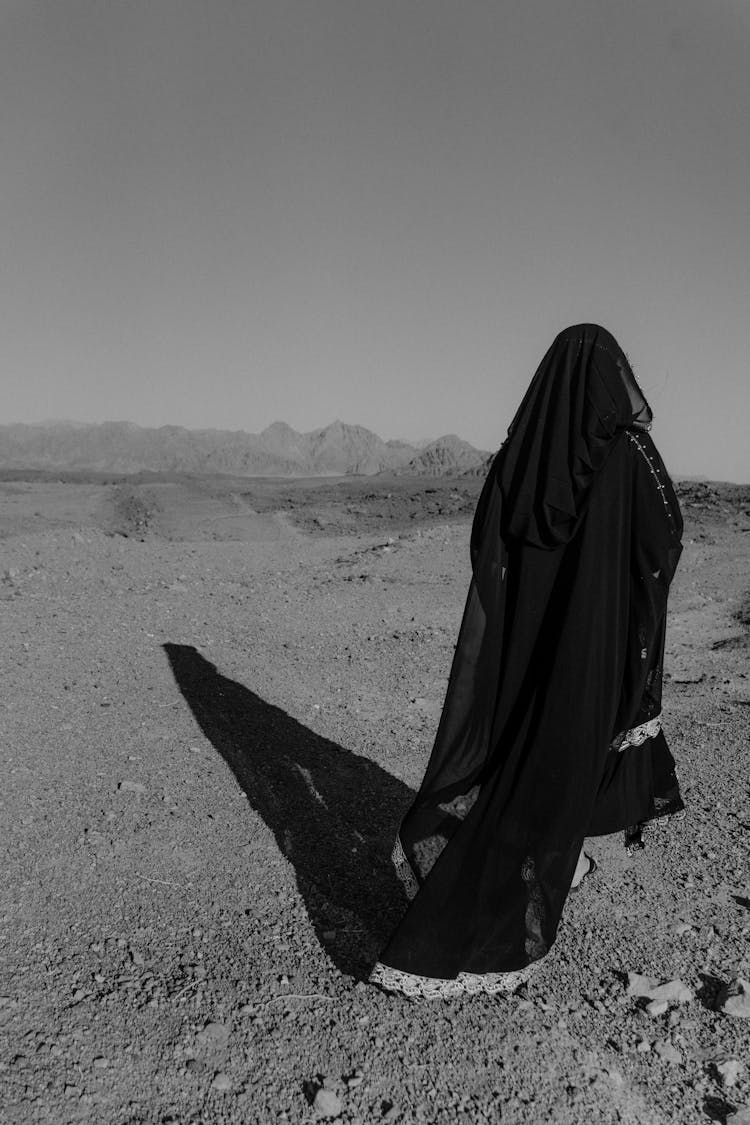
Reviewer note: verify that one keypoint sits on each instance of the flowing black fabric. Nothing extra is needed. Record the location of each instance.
(574, 543)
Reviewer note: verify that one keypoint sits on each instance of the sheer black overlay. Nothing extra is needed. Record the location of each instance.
(550, 729)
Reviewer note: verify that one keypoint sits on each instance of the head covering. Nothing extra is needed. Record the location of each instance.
(582, 398)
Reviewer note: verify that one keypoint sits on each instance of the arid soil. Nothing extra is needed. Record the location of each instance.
(218, 697)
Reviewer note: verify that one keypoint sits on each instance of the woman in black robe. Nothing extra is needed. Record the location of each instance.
(551, 729)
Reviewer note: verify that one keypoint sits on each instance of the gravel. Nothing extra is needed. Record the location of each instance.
(193, 950)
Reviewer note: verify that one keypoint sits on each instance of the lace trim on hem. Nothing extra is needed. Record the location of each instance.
(638, 735)
(436, 988)
(403, 869)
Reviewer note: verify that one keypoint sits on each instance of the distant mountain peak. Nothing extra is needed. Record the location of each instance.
(279, 450)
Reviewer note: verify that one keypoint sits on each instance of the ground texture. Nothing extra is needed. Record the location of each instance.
(218, 697)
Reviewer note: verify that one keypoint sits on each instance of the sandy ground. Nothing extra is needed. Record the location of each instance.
(217, 700)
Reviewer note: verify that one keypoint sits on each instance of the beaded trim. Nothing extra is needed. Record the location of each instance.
(638, 735)
(403, 869)
(436, 988)
(654, 473)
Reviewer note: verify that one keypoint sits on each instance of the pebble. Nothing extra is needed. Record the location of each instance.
(729, 1070)
(734, 999)
(327, 1104)
(221, 1082)
(132, 787)
(100, 1062)
(741, 1117)
(657, 1007)
(213, 1034)
(673, 991)
(667, 1051)
(643, 1046)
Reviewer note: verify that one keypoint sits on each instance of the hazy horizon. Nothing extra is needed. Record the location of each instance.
(219, 216)
(418, 443)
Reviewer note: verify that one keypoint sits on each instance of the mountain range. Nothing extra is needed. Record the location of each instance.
(279, 450)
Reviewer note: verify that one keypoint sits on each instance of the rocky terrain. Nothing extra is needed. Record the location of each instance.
(122, 447)
(218, 697)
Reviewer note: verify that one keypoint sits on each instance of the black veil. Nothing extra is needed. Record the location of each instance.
(573, 545)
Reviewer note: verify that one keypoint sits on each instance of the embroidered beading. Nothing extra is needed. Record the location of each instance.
(436, 988)
(403, 869)
(655, 474)
(638, 735)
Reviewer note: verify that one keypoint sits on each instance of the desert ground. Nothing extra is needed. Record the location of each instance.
(218, 697)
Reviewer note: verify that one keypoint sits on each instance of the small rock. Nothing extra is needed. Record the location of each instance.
(72, 1092)
(100, 1062)
(221, 1082)
(673, 991)
(643, 1046)
(657, 1007)
(667, 1051)
(741, 1117)
(213, 1035)
(132, 787)
(734, 999)
(729, 1070)
(355, 1079)
(684, 928)
(327, 1104)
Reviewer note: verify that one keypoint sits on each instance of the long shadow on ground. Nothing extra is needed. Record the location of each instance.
(334, 813)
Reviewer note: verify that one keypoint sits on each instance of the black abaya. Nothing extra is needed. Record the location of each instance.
(550, 730)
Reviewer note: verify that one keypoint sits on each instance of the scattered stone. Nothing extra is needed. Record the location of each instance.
(327, 1104)
(643, 1046)
(673, 991)
(355, 1079)
(684, 928)
(740, 1117)
(734, 999)
(667, 1051)
(729, 1071)
(132, 787)
(657, 1007)
(100, 1062)
(221, 1082)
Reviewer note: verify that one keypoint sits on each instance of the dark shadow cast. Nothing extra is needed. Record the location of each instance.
(742, 901)
(717, 1108)
(708, 993)
(333, 813)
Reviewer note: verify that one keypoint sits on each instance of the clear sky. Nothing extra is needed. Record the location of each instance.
(221, 213)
